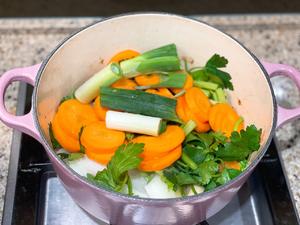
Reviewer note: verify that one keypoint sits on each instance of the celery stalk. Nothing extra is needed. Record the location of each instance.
(214, 96)
(221, 95)
(189, 127)
(206, 85)
(206, 92)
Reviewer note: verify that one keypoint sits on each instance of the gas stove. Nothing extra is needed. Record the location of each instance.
(35, 196)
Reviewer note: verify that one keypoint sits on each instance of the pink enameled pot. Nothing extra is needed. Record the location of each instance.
(79, 56)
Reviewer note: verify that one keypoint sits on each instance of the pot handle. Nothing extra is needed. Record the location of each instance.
(284, 115)
(23, 123)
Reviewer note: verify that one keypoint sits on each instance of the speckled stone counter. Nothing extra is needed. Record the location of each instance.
(275, 38)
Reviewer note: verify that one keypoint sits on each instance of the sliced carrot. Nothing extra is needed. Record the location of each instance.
(145, 80)
(198, 102)
(161, 91)
(232, 165)
(72, 115)
(66, 141)
(187, 85)
(165, 92)
(100, 110)
(124, 83)
(201, 126)
(222, 117)
(168, 140)
(160, 163)
(181, 105)
(124, 55)
(101, 140)
(100, 158)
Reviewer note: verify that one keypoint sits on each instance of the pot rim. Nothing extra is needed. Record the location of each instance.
(153, 200)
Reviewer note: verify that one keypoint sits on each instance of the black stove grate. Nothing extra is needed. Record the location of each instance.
(31, 197)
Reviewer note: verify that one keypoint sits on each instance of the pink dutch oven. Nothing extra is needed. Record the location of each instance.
(78, 56)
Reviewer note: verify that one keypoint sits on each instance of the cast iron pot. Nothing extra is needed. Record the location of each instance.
(79, 56)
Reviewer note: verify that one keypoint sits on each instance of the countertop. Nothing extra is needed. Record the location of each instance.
(275, 38)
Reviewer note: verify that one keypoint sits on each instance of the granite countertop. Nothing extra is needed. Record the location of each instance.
(275, 38)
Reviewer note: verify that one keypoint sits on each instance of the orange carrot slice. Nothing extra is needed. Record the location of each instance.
(145, 80)
(100, 158)
(168, 140)
(72, 115)
(198, 102)
(160, 163)
(201, 126)
(161, 91)
(232, 165)
(187, 85)
(124, 83)
(66, 141)
(181, 105)
(100, 110)
(124, 55)
(101, 140)
(222, 117)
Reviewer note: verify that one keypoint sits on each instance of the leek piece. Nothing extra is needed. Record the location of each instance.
(221, 95)
(173, 80)
(163, 59)
(90, 88)
(189, 127)
(139, 102)
(134, 123)
(206, 85)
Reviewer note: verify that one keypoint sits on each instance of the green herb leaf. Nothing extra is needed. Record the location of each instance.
(54, 142)
(197, 154)
(217, 61)
(206, 170)
(241, 144)
(115, 176)
(67, 97)
(129, 136)
(223, 76)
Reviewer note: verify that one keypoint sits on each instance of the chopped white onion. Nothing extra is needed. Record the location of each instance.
(84, 165)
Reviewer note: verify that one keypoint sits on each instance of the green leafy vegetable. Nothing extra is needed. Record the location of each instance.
(211, 72)
(54, 142)
(115, 176)
(217, 61)
(241, 144)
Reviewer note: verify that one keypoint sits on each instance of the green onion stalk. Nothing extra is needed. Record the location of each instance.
(163, 59)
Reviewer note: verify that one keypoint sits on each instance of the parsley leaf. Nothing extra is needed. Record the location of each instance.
(67, 97)
(54, 142)
(241, 144)
(217, 61)
(115, 176)
(211, 72)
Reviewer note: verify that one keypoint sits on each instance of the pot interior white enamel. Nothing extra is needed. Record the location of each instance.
(89, 50)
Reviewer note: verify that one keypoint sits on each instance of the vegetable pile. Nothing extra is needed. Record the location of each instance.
(145, 126)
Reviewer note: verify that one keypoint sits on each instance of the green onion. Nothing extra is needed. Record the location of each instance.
(206, 85)
(189, 127)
